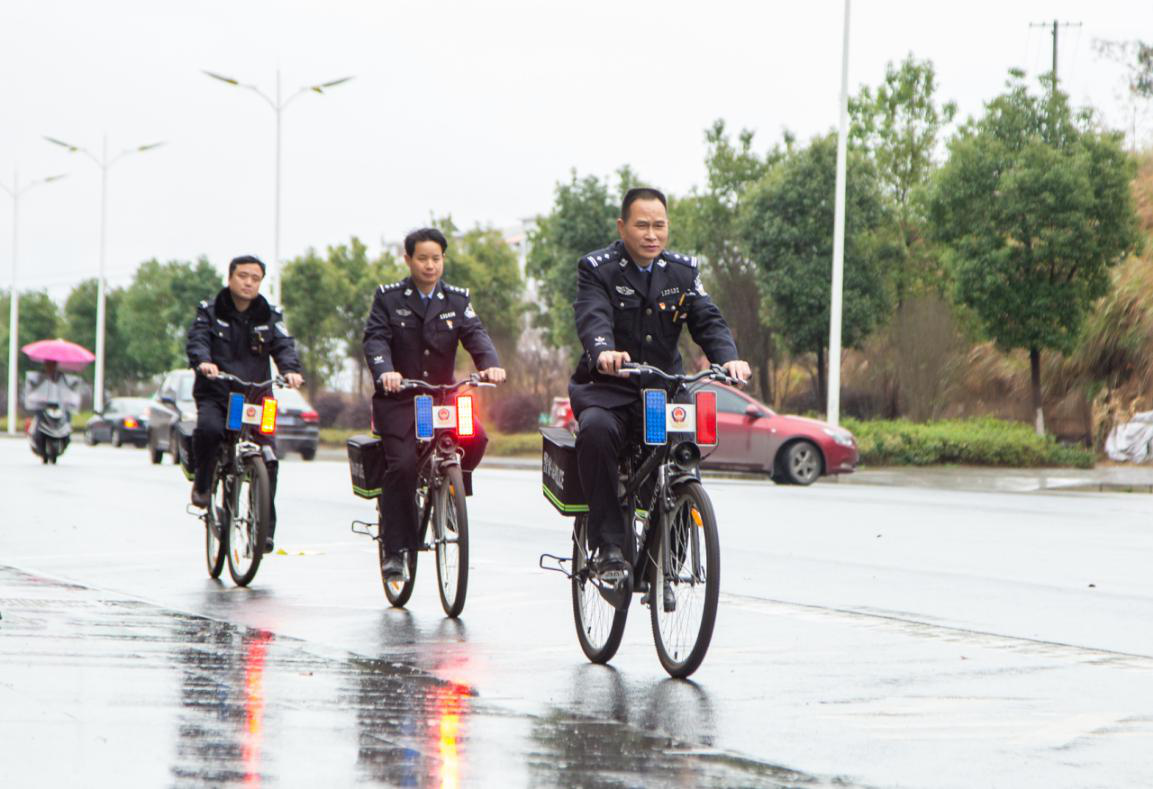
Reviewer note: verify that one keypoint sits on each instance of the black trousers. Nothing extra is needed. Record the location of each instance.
(395, 423)
(604, 432)
(211, 417)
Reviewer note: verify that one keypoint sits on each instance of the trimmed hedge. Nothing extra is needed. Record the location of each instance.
(971, 442)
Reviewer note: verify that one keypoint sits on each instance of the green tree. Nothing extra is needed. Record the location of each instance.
(156, 311)
(39, 320)
(79, 326)
(583, 218)
(1035, 207)
(899, 125)
(788, 229)
(707, 223)
(313, 292)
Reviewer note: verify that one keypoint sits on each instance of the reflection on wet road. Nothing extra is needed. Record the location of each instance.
(99, 685)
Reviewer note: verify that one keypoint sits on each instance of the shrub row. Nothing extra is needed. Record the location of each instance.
(974, 442)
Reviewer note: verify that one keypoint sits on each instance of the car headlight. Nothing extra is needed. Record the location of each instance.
(842, 437)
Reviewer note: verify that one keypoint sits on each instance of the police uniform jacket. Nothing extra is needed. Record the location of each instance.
(418, 340)
(620, 308)
(237, 342)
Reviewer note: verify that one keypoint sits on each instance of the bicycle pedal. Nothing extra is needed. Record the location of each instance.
(363, 527)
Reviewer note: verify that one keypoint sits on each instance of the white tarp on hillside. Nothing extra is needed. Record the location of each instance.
(1132, 441)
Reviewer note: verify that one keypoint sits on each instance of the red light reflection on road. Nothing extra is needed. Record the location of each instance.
(254, 706)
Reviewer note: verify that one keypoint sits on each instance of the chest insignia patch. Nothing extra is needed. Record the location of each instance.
(625, 290)
(404, 311)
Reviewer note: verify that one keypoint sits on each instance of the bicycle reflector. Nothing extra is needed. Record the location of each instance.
(656, 431)
(268, 417)
(706, 417)
(464, 422)
(423, 404)
(235, 411)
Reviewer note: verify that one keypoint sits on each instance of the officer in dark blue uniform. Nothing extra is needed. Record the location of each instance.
(633, 299)
(412, 332)
(237, 333)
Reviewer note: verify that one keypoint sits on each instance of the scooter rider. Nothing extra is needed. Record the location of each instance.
(632, 300)
(237, 332)
(412, 332)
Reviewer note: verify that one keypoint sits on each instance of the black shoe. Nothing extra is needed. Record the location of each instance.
(269, 545)
(392, 568)
(609, 563)
(200, 500)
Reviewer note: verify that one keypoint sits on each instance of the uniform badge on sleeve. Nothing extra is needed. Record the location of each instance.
(700, 287)
(599, 341)
(469, 312)
(280, 327)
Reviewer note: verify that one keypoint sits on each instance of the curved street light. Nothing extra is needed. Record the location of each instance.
(104, 163)
(278, 104)
(16, 191)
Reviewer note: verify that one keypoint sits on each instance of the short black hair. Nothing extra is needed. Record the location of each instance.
(641, 193)
(424, 234)
(242, 259)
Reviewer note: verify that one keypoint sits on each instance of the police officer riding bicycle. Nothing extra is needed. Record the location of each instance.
(237, 332)
(632, 300)
(412, 332)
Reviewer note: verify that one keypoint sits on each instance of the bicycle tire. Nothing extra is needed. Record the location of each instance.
(451, 515)
(682, 643)
(599, 625)
(248, 520)
(216, 527)
(397, 592)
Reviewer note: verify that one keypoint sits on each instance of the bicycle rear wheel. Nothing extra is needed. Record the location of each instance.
(685, 581)
(248, 520)
(216, 526)
(397, 592)
(451, 542)
(599, 624)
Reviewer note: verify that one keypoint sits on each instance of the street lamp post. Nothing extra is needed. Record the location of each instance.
(14, 298)
(104, 163)
(833, 404)
(278, 104)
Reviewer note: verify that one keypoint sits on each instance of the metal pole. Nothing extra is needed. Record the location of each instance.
(98, 389)
(14, 309)
(834, 395)
(1054, 55)
(274, 269)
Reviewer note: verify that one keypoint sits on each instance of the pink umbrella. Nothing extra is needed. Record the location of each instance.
(68, 355)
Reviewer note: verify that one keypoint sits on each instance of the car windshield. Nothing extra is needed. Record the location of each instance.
(291, 400)
(729, 402)
(135, 406)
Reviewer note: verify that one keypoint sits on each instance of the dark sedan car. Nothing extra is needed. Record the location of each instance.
(792, 449)
(124, 420)
(297, 424)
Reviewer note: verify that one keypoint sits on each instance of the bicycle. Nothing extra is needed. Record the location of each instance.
(237, 519)
(440, 490)
(675, 565)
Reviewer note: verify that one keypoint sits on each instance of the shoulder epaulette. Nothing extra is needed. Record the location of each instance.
(684, 260)
(391, 286)
(607, 255)
(203, 305)
(454, 289)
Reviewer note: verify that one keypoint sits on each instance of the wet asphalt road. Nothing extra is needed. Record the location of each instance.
(867, 636)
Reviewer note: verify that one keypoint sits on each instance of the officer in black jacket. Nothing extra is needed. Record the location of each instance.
(632, 300)
(412, 332)
(237, 333)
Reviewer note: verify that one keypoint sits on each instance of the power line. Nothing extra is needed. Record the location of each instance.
(1055, 26)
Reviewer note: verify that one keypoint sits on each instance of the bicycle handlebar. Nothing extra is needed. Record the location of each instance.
(715, 373)
(277, 381)
(472, 380)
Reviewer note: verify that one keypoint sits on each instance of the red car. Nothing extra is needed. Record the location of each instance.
(792, 449)
(752, 437)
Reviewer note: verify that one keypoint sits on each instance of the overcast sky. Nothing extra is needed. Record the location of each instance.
(471, 108)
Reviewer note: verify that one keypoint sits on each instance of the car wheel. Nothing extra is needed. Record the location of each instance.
(802, 463)
(174, 447)
(89, 439)
(117, 439)
(308, 453)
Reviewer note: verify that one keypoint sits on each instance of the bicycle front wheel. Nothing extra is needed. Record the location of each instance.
(216, 527)
(451, 542)
(685, 581)
(599, 624)
(396, 591)
(251, 502)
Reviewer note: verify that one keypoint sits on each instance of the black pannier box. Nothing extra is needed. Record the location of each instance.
(562, 485)
(366, 464)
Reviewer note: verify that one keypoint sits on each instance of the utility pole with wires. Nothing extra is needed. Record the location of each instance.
(1055, 25)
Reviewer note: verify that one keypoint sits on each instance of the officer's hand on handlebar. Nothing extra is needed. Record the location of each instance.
(391, 382)
(294, 380)
(609, 362)
(495, 375)
(209, 369)
(738, 370)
